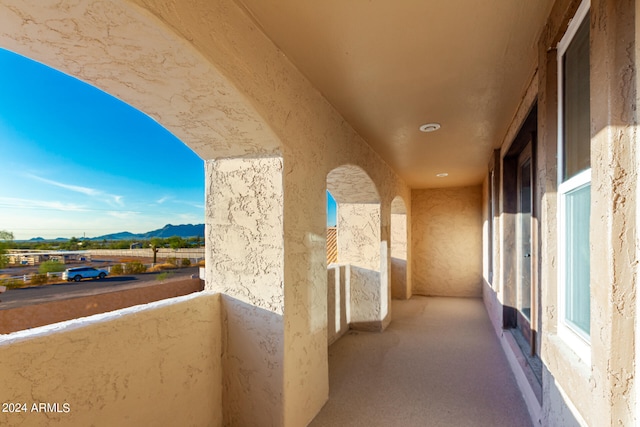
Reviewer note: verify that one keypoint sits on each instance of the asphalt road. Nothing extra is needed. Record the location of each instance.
(13, 298)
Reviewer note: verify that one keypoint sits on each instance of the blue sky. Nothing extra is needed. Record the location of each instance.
(331, 210)
(75, 161)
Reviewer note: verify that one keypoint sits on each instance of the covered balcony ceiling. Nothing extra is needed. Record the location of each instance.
(388, 67)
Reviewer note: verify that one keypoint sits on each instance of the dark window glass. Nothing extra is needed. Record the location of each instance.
(576, 121)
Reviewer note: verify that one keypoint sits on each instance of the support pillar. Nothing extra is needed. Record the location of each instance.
(360, 247)
(275, 369)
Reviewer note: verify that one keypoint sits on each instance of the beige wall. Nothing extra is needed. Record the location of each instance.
(359, 247)
(338, 298)
(143, 366)
(359, 235)
(245, 263)
(400, 285)
(447, 241)
(598, 391)
(598, 388)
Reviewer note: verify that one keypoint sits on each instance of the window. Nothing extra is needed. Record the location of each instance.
(490, 215)
(574, 183)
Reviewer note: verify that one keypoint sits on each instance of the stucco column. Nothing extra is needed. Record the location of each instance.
(360, 246)
(614, 183)
(245, 263)
(270, 268)
(399, 285)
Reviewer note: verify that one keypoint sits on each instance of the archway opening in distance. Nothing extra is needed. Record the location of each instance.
(356, 278)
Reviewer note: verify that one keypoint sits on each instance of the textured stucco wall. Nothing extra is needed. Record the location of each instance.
(338, 296)
(245, 262)
(360, 247)
(490, 291)
(600, 391)
(359, 235)
(447, 241)
(599, 388)
(351, 184)
(158, 365)
(399, 285)
(244, 225)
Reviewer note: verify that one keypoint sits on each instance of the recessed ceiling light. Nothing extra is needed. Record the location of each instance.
(442, 175)
(430, 127)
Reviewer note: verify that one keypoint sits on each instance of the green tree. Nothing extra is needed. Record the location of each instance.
(51, 267)
(71, 245)
(5, 238)
(156, 243)
(122, 244)
(176, 242)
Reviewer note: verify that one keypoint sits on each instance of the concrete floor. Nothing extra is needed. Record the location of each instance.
(439, 363)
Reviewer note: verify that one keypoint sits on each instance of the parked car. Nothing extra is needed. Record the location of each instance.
(78, 273)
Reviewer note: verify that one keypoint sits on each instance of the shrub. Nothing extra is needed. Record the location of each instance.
(12, 283)
(51, 267)
(163, 276)
(186, 262)
(171, 260)
(54, 278)
(135, 267)
(117, 270)
(201, 263)
(39, 279)
(161, 267)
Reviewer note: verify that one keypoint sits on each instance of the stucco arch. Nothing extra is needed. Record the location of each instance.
(351, 184)
(398, 206)
(132, 55)
(362, 261)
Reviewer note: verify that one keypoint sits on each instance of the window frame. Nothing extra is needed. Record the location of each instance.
(576, 338)
(490, 225)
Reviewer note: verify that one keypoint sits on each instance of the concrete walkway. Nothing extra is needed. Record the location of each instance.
(438, 364)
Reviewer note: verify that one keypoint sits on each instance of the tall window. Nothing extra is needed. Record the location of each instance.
(574, 178)
(490, 214)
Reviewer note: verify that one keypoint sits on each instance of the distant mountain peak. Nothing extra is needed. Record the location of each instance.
(169, 230)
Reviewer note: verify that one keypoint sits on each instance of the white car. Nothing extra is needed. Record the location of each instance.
(78, 273)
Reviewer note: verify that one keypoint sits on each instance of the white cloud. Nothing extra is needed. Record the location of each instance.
(17, 203)
(118, 200)
(123, 214)
(93, 192)
(76, 188)
(190, 203)
(190, 218)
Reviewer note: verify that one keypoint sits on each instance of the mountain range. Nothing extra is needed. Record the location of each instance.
(169, 230)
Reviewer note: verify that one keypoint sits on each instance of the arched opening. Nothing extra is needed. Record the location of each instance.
(400, 288)
(332, 230)
(359, 277)
(93, 193)
(136, 54)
